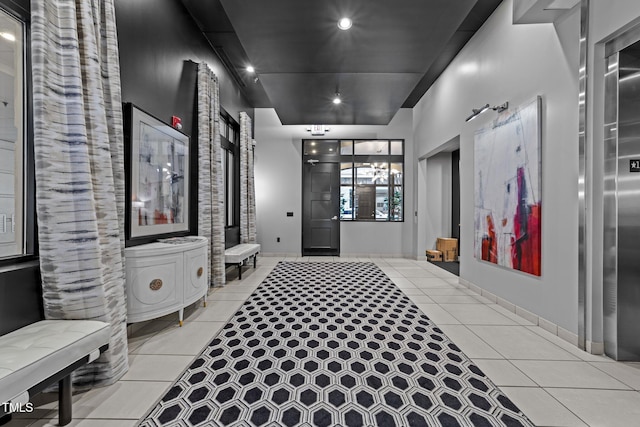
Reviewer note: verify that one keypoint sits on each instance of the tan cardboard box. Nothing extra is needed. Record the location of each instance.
(451, 255)
(448, 247)
(434, 255)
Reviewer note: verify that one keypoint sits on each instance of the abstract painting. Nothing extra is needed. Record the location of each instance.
(507, 190)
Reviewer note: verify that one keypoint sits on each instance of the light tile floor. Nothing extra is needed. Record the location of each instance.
(553, 382)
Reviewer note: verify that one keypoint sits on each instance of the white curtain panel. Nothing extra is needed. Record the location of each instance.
(247, 185)
(79, 165)
(211, 212)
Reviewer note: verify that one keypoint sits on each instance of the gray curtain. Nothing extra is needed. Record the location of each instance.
(79, 167)
(210, 179)
(247, 185)
(251, 193)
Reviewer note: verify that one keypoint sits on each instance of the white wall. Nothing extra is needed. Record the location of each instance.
(516, 63)
(278, 172)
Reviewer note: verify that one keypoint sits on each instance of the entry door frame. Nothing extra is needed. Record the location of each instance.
(317, 160)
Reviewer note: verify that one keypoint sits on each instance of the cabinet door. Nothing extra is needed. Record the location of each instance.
(195, 274)
(154, 286)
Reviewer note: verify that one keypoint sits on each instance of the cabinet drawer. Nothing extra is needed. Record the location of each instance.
(153, 282)
(196, 274)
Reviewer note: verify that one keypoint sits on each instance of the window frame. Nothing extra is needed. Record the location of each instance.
(29, 226)
(354, 159)
(233, 147)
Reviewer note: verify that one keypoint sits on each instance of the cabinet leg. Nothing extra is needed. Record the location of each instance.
(181, 316)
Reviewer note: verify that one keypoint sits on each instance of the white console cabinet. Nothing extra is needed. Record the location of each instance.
(165, 277)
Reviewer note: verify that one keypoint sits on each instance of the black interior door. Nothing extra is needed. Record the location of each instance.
(321, 209)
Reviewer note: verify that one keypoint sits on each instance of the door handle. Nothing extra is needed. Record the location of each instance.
(334, 218)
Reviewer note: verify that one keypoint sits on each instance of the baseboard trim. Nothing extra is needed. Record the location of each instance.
(280, 254)
(568, 336)
(595, 347)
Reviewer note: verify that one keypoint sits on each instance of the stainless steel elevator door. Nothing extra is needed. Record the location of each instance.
(629, 204)
(622, 205)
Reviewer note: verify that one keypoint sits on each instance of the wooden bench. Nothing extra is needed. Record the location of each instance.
(36, 356)
(240, 254)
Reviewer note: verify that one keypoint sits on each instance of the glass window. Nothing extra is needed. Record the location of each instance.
(365, 202)
(364, 173)
(396, 148)
(12, 210)
(396, 188)
(346, 202)
(320, 148)
(374, 147)
(223, 127)
(375, 173)
(346, 148)
(230, 134)
(371, 185)
(396, 173)
(230, 187)
(382, 202)
(372, 191)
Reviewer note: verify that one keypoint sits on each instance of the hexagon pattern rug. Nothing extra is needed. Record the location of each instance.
(332, 344)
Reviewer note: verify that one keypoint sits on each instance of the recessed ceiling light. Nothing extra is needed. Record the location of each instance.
(344, 23)
(250, 69)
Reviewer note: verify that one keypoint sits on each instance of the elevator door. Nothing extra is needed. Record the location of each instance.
(622, 205)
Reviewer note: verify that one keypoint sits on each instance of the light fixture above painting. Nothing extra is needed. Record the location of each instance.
(475, 112)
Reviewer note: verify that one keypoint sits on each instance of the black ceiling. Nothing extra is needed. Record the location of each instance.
(393, 53)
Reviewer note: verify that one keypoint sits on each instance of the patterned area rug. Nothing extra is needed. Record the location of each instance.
(332, 344)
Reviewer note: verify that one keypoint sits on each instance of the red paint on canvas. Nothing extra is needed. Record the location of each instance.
(525, 245)
(489, 243)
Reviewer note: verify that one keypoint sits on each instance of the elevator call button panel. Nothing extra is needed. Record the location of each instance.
(634, 165)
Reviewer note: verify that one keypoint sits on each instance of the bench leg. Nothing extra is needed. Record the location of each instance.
(255, 258)
(240, 271)
(64, 401)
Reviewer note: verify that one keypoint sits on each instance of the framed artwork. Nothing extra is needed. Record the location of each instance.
(158, 176)
(507, 190)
